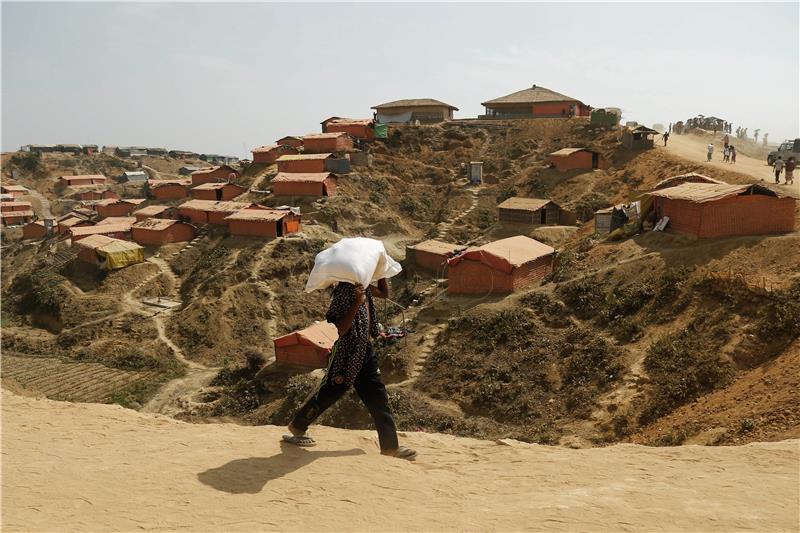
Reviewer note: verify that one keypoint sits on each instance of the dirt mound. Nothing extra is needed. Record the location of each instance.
(220, 472)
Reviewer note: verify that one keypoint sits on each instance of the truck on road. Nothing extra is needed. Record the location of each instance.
(787, 149)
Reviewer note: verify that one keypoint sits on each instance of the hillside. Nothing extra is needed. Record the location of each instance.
(154, 473)
(621, 343)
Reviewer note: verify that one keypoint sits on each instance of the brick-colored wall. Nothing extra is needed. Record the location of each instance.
(122, 209)
(216, 176)
(302, 165)
(282, 188)
(33, 231)
(170, 192)
(740, 215)
(323, 146)
(570, 162)
(474, 277)
(357, 131)
(195, 215)
(532, 272)
(253, 228)
(429, 260)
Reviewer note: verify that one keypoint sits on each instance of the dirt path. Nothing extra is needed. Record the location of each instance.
(222, 477)
(443, 228)
(693, 148)
(43, 202)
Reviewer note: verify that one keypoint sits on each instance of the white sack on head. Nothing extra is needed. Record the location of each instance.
(357, 260)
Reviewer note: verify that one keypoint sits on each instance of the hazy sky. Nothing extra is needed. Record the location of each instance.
(225, 78)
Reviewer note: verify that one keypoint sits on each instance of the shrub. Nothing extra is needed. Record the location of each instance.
(28, 161)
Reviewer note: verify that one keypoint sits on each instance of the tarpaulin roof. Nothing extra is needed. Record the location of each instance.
(209, 170)
(321, 335)
(525, 204)
(290, 137)
(214, 186)
(14, 188)
(211, 205)
(117, 220)
(350, 121)
(330, 135)
(70, 221)
(156, 224)
(152, 210)
(641, 129)
(117, 253)
(569, 151)
(265, 148)
(436, 247)
(506, 254)
(413, 102)
(298, 157)
(258, 215)
(531, 95)
(154, 184)
(101, 228)
(691, 177)
(112, 201)
(711, 192)
(307, 177)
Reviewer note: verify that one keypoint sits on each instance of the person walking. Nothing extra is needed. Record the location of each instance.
(353, 363)
(726, 153)
(710, 151)
(755, 136)
(666, 137)
(778, 168)
(766, 136)
(733, 155)
(791, 164)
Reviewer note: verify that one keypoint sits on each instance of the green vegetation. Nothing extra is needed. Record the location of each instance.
(30, 162)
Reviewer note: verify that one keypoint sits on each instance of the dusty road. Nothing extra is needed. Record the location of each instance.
(91, 467)
(693, 148)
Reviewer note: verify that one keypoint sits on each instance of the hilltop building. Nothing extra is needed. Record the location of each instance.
(424, 110)
(535, 102)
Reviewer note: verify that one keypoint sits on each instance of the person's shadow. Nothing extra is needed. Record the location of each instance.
(248, 476)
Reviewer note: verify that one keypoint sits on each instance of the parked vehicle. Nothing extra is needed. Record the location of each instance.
(786, 150)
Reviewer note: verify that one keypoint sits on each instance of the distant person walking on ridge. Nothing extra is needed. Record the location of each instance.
(790, 166)
(733, 155)
(666, 138)
(778, 169)
(755, 136)
(353, 363)
(710, 151)
(766, 135)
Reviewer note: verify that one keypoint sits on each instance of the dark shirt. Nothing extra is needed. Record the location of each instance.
(351, 348)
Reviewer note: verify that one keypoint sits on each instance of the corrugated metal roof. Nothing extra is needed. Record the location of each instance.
(152, 210)
(302, 177)
(156, 224)
(101, 228)
(330, 135)
(351, 121)
(524, 204)
(211, 205)
(258, 214)
(413, 102)
(14, 214)
(531, 95)
(568, 151)
(17, 204)
(303, 157)
(104, 243)
(117, 220)
(710, 192)
(518, 250)
(436, 247)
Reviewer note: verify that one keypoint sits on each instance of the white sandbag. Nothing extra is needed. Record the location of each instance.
(357, 260)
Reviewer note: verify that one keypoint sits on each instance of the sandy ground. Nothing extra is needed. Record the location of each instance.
(91, 467)
(694, 148)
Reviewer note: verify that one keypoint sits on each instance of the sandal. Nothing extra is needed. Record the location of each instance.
(402, 453)
(304, 441)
